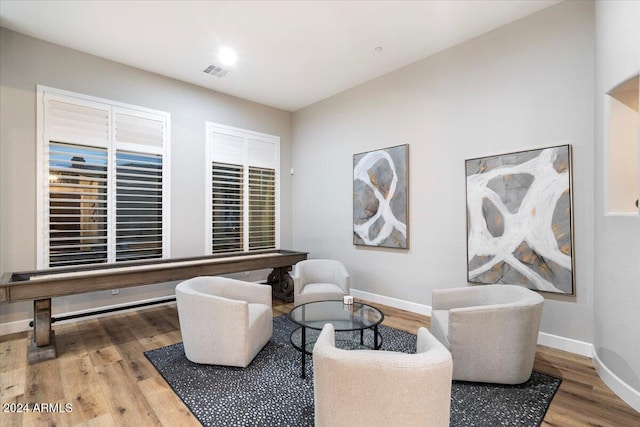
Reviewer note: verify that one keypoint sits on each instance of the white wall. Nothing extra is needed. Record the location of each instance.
(526, 85)
(26, 62)
(617, 238)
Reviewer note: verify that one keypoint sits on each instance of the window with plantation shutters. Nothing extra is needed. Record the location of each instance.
(103, 169)
(227, 207)
(242, 181)
(262, 208)
(77, 209)
(138, 206)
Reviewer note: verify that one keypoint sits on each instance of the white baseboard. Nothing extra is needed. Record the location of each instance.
(393, 302)
(15, 327)
(567, 344)
(615, 383)
(23, 325)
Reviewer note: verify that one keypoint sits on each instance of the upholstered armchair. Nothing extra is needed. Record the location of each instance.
(381, 388)
(491, 331)
(318, 280)
(224, 321)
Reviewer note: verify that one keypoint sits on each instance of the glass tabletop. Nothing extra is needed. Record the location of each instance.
(343, 317)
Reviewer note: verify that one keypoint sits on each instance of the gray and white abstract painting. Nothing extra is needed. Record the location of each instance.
(519, 219)
(380, 197)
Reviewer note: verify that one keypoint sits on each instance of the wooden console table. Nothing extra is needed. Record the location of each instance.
(42, 285)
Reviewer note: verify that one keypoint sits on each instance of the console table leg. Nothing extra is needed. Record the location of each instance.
(281, 283)
(43, 346)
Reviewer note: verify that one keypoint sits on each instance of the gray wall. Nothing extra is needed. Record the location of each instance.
(526, 85)
(26, 62)
(617, 238)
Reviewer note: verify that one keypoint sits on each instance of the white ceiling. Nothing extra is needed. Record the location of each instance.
(291, 53)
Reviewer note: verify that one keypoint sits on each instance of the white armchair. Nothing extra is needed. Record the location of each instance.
(381, 388)
(491, 331)
(224, 321)
(318, 280)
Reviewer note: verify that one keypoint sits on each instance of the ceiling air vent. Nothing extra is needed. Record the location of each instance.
(214, 70)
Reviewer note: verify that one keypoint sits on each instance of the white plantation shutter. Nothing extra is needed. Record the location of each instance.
(262, 159)
(137, 130)
(77, 121)
(139, 204)
(227, 148)
(105, 181)
(77, 204)
(262, 208)
(227, 192)
(140, 208)
(227, 208)
(262, 154)
(244, 189)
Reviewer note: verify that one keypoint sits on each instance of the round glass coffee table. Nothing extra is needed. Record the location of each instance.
(356, 317)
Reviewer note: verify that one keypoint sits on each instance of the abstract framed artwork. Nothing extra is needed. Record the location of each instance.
(519, 219)
(381, 197)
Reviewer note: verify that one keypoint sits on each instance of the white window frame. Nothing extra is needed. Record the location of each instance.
(43, 93)
(246, 135)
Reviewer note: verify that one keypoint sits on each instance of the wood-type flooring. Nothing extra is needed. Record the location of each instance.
(102, 378)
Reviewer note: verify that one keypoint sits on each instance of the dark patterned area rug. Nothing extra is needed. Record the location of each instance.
(270, 392)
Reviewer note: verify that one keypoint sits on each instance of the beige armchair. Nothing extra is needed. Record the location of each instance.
(224, 321)
(381, 388)
(318, 280)
(491, 331)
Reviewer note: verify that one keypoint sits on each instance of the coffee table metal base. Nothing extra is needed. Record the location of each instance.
(302, 348)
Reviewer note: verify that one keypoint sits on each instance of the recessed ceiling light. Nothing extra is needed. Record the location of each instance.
(378, 49)
(227, 56)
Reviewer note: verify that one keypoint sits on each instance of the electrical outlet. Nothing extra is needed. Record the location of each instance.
(115, 291)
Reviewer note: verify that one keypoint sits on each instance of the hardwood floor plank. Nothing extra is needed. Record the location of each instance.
(70, 341)
(123, 397)
(81, 388)
(105, 420)
(12, 383)
(102, 371)
(48, 413)
(105, 356)
(13, 353)
(150, 337)
(94, 337)
(167, 406)
(13, 417)
(44, 384)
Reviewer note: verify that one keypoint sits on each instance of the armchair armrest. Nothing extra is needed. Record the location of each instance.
(342, 278)
(297, 281)
(429, 343)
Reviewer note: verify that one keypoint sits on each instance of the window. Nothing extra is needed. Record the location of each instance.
(104, 175)
(243, 189)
